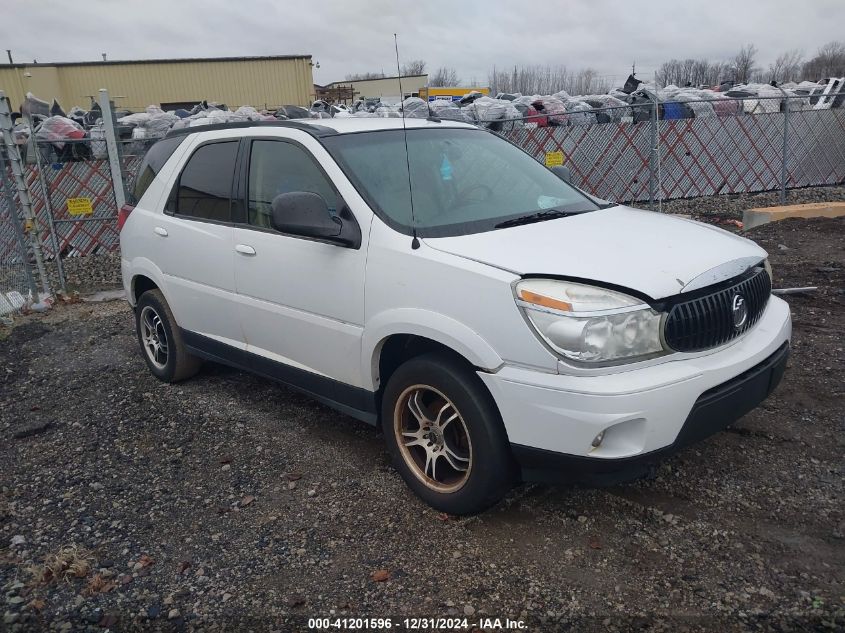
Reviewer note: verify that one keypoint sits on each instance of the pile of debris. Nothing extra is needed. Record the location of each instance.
(632, 103)
(79, 134)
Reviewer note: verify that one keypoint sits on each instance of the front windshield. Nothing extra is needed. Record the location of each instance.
(463, 180)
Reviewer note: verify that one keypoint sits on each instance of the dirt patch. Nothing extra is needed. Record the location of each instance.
(808, 253)
(812, 253)
(28, 330)
(231, 502)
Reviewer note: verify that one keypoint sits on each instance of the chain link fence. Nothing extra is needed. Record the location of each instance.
(609, 160)
(75, 197)
(17, 278)
(704, 148)
(648, 152)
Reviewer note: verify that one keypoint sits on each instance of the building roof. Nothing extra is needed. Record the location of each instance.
(355, 81)
(171, 60)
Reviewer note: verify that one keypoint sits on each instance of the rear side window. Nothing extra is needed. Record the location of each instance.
(153, 161)
(205, 185)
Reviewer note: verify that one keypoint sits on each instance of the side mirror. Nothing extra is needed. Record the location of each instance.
(564, 173)
(304, 213)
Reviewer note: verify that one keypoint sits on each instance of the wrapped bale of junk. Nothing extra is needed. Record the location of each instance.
(79, 134)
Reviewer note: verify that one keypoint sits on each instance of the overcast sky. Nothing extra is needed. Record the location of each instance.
(349, 36)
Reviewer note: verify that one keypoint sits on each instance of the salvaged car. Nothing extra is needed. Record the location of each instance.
(496, 321)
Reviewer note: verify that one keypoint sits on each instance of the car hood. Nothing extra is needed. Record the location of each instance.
(656, 254)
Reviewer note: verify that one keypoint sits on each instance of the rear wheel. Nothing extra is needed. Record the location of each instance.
(445, 435)
(161, 340)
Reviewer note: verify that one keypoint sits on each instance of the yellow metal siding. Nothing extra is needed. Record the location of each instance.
(388, 87)
(12, 83)
(449, 93)
(260, 83)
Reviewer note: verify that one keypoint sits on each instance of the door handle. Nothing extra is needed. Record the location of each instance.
(245, 249)
(160, 231)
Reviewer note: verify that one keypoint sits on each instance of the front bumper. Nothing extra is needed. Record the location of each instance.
(713, 411)
(646, 413)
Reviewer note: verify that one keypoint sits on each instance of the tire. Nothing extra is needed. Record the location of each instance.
(471, 451)
(161, 340)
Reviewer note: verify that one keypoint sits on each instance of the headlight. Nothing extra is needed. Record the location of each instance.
(590, 324)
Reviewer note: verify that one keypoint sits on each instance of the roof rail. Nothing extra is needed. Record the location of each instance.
(311, 128)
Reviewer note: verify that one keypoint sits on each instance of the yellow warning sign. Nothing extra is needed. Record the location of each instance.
(80, 206)
(554, 159)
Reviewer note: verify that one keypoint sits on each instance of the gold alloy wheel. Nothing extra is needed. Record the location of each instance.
(433, 438)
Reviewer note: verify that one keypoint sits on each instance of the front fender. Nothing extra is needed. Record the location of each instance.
(431, 325)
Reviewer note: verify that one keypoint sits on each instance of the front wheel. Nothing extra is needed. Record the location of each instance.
(445, 435)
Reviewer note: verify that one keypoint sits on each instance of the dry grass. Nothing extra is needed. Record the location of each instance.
(98, 584)
(68, 563)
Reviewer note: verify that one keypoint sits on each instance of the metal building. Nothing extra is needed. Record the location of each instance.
(385, 88)
(263, 82)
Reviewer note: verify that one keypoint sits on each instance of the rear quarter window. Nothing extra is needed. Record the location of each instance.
(204, 188)
(154, 160)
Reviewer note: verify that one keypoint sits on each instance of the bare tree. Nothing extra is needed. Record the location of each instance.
(828, 62)
(444, 77)
(697, 72)
(413, 67)
(538, 79)
(670, 73)
(586, 82)
(687, 67)
(706, 73)
(787, 67)
(744, 64)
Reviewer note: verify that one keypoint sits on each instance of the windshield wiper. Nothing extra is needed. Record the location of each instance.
(539, 216)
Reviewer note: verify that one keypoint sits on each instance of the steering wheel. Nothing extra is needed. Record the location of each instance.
(461, 200)
(465, 196)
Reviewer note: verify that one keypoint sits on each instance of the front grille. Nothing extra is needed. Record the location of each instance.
(708, 321)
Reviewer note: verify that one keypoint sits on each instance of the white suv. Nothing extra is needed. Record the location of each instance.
(497, 322)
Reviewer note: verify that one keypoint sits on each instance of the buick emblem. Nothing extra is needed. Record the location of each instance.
(740, 311)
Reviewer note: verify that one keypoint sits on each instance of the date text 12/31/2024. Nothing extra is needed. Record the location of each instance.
(415, 624)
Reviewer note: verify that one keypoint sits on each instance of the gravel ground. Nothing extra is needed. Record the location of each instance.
(731, 206)
(93, 272)
(231, 503)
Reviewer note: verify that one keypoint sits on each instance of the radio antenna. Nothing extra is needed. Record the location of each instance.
(415, 243)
